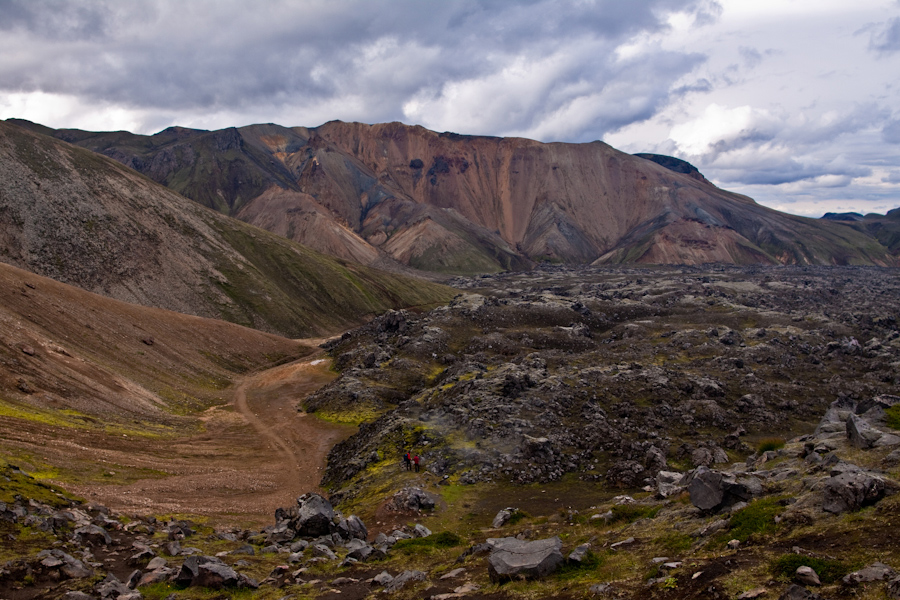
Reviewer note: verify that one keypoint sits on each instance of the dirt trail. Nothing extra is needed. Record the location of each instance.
(249, 457)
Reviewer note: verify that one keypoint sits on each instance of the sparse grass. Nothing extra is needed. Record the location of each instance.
(442, 540)
(573, 570)
(516, 516)
(675, 542)
(628, 513)
(769, 444)
(755, 520)
(893, 416)
(828, 570)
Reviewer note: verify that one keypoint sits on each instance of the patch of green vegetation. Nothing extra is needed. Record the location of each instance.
(357, 416)
(300, 292)
(516, 516)
(73, 419)
(757, 519)
(828, 570)
(628, 513)
(573, 570)
(769, 444)
(893, 416)
(16, 483)
(442, 540)
(675, 542)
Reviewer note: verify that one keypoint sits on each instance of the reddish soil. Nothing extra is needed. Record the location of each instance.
(252, 455)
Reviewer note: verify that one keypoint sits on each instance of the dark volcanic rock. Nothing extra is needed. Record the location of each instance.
(315, 516)
(513, 558)
(850, 491)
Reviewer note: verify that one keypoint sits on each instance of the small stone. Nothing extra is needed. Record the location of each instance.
(806, 576)
(383, 578)
(453, 574)
(625, 542)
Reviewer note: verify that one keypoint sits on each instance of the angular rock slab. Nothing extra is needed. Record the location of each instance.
(513, 558)
(860, 433)
(851, 491)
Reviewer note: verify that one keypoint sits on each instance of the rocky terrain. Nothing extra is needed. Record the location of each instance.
(83, 219)
(686, 432)
(392, 194)
(594, 433)
(605, 375)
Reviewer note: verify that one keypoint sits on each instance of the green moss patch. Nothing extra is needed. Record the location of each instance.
(893, 416)
(442, 540)
(628, 513)
(755, 520)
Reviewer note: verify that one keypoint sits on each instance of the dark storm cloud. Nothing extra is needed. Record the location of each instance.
(214, 55)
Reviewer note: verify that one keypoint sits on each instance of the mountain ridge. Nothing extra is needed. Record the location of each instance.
(475, 203)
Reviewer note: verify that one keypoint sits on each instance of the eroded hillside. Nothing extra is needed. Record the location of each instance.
(391, 193)
(80, 218)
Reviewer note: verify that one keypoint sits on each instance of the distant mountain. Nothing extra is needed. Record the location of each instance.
(884, 228)
(467, 204)
(80, 218)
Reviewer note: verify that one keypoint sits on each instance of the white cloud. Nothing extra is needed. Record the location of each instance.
(792, 100)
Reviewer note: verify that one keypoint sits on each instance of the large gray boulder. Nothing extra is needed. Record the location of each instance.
(315, 516)
(706, 488)
(713, 490)
(668, 483)
(512, 558)
(215, 576)
(851, 491)
(403, 579)
(877, 571)
(411, 499)
(68, 566)
(91, 535)
(860, 433)
(352, 528)
(210, 572)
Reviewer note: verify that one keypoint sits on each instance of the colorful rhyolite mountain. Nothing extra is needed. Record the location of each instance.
(444, 202)
(80, 218)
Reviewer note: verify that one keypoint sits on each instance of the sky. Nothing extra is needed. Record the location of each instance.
(795, 103)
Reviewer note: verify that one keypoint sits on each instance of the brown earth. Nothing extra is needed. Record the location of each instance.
(152, 411)
(252, 456)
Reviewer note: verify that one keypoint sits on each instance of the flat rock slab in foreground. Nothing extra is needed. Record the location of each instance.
(513, 559)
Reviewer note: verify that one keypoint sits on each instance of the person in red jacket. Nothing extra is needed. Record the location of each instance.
(416, 461)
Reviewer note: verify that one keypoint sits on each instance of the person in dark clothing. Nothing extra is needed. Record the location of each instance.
(416, 460)
(407, 461)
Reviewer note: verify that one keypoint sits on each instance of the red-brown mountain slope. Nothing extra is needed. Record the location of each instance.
(453, 203)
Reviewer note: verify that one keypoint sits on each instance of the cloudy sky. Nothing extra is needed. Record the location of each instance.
(793, 102)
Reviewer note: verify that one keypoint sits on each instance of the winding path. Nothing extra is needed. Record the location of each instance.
(250, 457)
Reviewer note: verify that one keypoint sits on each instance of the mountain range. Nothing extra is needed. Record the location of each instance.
(392, 194)
(80, 218)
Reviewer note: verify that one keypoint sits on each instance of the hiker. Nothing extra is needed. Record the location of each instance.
(407, 461)
(416, 460)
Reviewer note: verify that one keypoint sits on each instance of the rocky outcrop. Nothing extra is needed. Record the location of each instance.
(512, 558)
(715, 490)
(852, 491)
